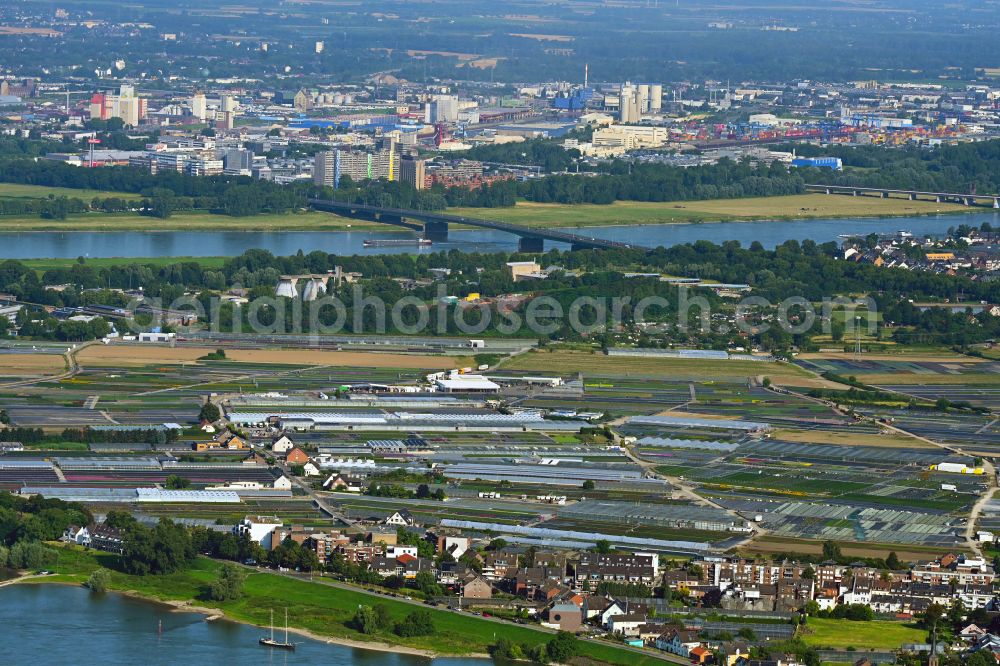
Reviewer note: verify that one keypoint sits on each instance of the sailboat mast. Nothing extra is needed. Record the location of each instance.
(286, 626)
(272, 624)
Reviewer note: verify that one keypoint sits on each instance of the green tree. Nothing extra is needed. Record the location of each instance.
(417, 623)
(175, 482)
(831, 551)
(588, 484)
(229, 584)
(563, 647)
(602, 546)
(98, 581)
(209, 412)
(370, 619)
(892, 562)
(427, 583)
(981, 658)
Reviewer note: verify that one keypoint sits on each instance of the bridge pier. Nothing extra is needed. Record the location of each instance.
(828, 191)
(388, 219)
(885, 195)
(533, 244)
(996, 203)
(437, 231)
(937, 199)
(967, 201)
(913, 197)
(855, 193)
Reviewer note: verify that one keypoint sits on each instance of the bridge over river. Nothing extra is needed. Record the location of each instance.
(435, 226)
(992, 200)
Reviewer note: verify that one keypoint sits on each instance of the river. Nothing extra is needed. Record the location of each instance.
(56, 624)
(57, 244)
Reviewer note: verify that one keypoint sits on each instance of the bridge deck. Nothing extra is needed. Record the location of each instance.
(889, 190)
(518, 230)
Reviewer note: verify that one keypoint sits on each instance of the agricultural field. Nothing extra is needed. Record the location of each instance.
(800, 206)
(19, 365)
(598, 365)
(100, 355)
(913, 370)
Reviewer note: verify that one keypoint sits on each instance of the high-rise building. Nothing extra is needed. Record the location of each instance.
(331, 165)
(199, 106)
(413, 171)
(238, 162)
(320, 46)
(325, 168)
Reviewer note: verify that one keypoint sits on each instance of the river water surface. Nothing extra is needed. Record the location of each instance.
(57, 244)
(56, 624)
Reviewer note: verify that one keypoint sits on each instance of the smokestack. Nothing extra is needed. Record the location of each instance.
(586, 74)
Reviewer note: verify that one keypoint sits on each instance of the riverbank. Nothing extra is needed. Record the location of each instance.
(757, 209)
(526, 213)
(318, 609)
(213, 614)
(194, 221)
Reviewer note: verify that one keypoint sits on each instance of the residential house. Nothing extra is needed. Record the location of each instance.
(454, 545)
(401, 518)
(564, 617)
(346, 484)
(475, 586)
(384, 534)
(76, 534)
(360, 552)
(678, 641)
(627, 624)
(326, 544)
(296, 456)
(107, 538)
(962, 569)
(259, 529)
(529, 581)
(281, 445)
(395, 550)
(700, 655)
(596, 568)
(230, 440)
(497, 565)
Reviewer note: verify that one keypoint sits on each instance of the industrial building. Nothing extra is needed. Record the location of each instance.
(125, 105)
